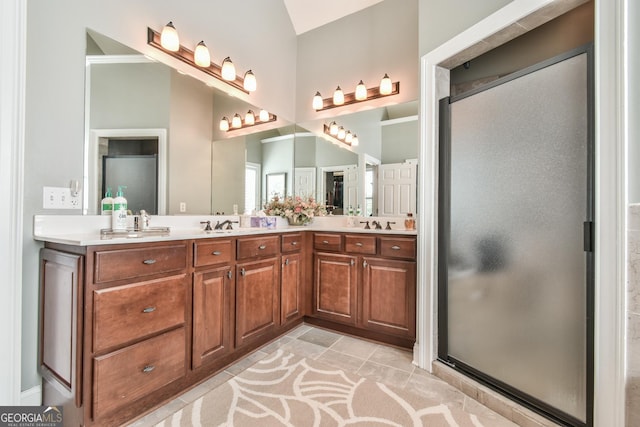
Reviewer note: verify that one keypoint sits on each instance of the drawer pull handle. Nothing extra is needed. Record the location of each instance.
(262, 247)
(395, 247)
(358, 244)
(286, 261)
(229, 275)
(326, 242)
(216, 253)
(149, 310)
(353, 262)
(149, 261)
(364, 264)
(242, 271)
(148, 369)
(294, 243)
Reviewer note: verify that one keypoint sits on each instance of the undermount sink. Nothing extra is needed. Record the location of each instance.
(107, 233)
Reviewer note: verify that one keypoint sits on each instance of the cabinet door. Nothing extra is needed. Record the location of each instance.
(290, 288)
(335, 287)
(211, 315)
(257, 299)
(389, 296)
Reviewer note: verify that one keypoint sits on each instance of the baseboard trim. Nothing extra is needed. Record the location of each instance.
(32, 396)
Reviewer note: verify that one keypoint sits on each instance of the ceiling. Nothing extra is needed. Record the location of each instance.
(306, 15)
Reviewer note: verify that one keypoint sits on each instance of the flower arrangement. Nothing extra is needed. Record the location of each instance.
(297, 210)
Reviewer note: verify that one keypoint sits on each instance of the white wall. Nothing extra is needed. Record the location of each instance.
(633, 91)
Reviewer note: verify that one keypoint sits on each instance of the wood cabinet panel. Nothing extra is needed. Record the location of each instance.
(125, 313)
(117, 264)
(291, 242)
(335, 287)
(327, 242)
(128, 374)
(290, 288)
(212, 252)
(389, 296)
(211, 315)
(257, 299)
(263, 246)
(360, 244)
(398, 247)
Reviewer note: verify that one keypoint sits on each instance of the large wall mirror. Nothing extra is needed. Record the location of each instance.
(159, 128)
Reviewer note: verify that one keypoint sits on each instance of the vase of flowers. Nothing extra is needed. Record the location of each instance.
(297, 210)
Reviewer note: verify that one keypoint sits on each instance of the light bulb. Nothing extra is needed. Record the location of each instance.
(341, 133)
(348, 137)
(236, 122)
(169, 38)
(338, 96)
(224, 124)
(333, 128)
(228, 70)
(264, 115)
(317, 101)
(201, 55)
(250, 84)
(361, 91)
(250, 118)
(354, 140)
(385, 85)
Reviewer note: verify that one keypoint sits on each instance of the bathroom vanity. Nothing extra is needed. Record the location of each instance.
(128, 324)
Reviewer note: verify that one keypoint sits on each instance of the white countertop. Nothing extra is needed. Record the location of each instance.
(84, 230)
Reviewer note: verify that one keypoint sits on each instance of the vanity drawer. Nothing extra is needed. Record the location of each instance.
(212, 252)
(128, 263)
(125, 313)
(398, 247)
(291, 242)
(258, 246)
(125, 375)
(325, 241)
(360, 244)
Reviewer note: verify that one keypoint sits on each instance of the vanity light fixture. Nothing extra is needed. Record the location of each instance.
(224, 124)
(169, 43)
(361, 94)
(201, 55)
(169, 38)
(341, 134)
(250, 119)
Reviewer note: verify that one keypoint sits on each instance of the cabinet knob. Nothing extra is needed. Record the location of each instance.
(286, 261)
(364, 264)
(242, 271)
(229, 274)
(262, 247)
(353, 262)
(216, 253)
(149, 261)
(149, 310)
(148, 369)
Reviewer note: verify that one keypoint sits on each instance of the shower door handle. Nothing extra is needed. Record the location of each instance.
(587, 230)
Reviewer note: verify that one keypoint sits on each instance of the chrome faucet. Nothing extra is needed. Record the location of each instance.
(388, 227)
(220, 225)
(208, 226)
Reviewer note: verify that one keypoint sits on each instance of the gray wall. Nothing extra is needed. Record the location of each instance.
(277, 156)
(400, 142)
(226, 177)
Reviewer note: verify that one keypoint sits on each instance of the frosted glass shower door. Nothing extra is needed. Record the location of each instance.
(516, 268)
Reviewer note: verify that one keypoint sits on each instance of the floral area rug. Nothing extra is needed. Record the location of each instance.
(289, 390)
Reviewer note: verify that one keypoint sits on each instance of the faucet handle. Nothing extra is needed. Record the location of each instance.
(230, 224)
(388, 227)
(208, 227)
(366, 227)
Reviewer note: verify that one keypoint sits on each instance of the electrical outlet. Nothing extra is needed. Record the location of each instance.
(60, 198)
(183, 206)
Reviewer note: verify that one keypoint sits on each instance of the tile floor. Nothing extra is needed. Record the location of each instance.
(378, 362)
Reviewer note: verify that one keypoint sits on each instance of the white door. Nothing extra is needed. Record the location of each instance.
(304, 184)
(397, 186)
(350, 185)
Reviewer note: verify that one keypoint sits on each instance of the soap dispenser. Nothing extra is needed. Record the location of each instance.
(106, 206)
(119, 214)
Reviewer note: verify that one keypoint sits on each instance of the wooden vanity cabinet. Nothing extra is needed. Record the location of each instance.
(213, 293)
(291, 273)
(370, 285)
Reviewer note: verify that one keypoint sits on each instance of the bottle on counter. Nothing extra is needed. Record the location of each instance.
(119, 214)
(350, 211)
(106, 206)
(410, 222)
(358, 211)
